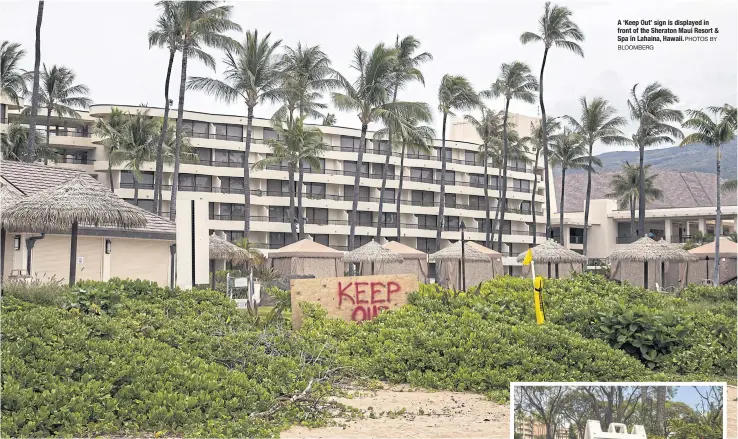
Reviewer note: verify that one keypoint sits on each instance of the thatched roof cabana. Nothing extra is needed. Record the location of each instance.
(223, 250)
(551, 252)
(80, 200)
(414, 262)
(453, 252)
(477, 266)
(373, 253)
(646, 250)
(726, 262)
(307, 257)
(7, 199)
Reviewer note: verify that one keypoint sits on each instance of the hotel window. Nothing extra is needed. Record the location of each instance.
(381, 147)
(450, 200)
(277, 240)
(321, 239)
(426, 245)
(379, 169)
(195, 182)
(494, 182)
(316, 216)
(229, 132)
(350, 144)
(203, 154)
(521, 185)
(416, 154)
(315, 190)
(307, 169)
(423, 175)
(278, 188)
(518, 165)
(363, 218)
(422, 198)
(476, 180)
(525, 206)
(389, 195)
(362, 240)
(229, 211)
(200, 130)
(280, 214)
(476, 202)
(146, 180)
(233, 236)
(224, 157)
(348, 191)
(470, 158)
(349, 168)
(451, 223)
(270, 134)
(231, 185)
(147, 205)
(448, 153)
(450, 177)
(388, 219)
(427, 222)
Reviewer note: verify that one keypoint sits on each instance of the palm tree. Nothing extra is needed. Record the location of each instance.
(555, 28)
(729, 185)
(12, 79)
(369, 97)
(454, 93)
(167, 34)
(405, 70)
(329, 120)
(201, 23)
(552, 125)
(30, 154)
(568, 151)
(514, 82)
(60, 95)
(255, 257)
(713, 133)
(110, 131)
(14, 144)
(652, 111)
(626, 186)
(489, 129)
(597, 122)
(295, 145)
(138, 140)
(252, 75)
(306, 74)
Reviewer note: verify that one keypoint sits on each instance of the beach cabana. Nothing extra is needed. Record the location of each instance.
(8, 197)
(371, 256)
(222, 250)
(448, 265)
(631, 263)
(705, 254)
(414, 262)
(79, 201)
(675, 274)
(307, 257)
(496, 257)
(552, 254)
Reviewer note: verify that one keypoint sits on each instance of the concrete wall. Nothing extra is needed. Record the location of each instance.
(192, 228)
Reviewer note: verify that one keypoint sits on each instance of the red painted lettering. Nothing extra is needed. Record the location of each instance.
(375, 291)
(360, 292)
(392, 287)
(355, 314)
(342, 294)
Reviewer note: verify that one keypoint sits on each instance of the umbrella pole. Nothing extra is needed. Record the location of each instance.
(557, 270)
(212, 274)
(73, 255)
(372, 268)
(663, 275)
(549, 270)
(645, 274)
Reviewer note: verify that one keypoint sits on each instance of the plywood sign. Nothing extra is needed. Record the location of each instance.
(355, 298)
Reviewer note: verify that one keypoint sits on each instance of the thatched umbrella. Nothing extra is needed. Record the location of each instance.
(81, 200)
(222, 250)
(647, 250)
(7, 199)
(551, 252)
(678, 252)
(371, 252)
(454, 253)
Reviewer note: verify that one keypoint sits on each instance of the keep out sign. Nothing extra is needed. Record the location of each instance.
(355, 298)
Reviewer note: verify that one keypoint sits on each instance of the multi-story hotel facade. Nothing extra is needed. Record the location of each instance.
(217, 178)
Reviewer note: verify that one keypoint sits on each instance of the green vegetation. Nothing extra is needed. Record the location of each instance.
(128, 357)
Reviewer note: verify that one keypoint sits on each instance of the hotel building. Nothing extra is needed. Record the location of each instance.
(217, 178)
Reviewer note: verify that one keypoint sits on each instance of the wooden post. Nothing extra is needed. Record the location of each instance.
(645, 274)
(73, 255)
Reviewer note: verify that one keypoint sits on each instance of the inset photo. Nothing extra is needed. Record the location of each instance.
(620, 411)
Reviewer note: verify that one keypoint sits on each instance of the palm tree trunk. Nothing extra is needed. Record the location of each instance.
(442, 203)
(30, 152)
(716, 268)
(300, 210)
(632, 216)
(357, 181)
(159, 170)
(503, 195)
(561, 208)
(110, 171)
(533, 197)
(496, 223)
(660, 408)
(135, 190)
(487, 228)
(587, 197)
(381, 191)
(399, 190)
(544, 141)
(291, 217)
(247, 172)
(641, 194)
(178, 133)
(48, 142)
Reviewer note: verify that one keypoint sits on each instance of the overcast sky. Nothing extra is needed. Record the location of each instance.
(106, 44)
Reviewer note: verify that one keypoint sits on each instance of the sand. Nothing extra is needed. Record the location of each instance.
(402, 412)
(732, 404)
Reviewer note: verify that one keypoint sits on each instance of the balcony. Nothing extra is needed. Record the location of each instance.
(681, 239)
(141, 186)
(75, 161)
(69, 134)
(625, 239)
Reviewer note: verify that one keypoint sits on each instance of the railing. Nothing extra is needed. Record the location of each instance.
(625, 239)
(69, 134)
(141, 186)
(520, 189)
(681, 239)
(75, 161)
(576, 239)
